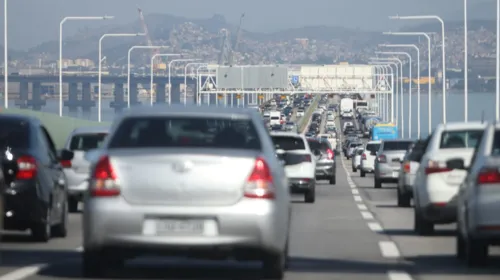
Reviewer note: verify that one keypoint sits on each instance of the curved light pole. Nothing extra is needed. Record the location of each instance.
(409, 86)
(429, 68)
(185, 78)
(169, 74)
(393, 59)
(198, 83)
(60, 50)
(128, 66)
(6, 57)
(443, 49)
(418, 84)
(388, 65)
(99, 86)
(151, 74)
(466, 65)
(497, 99)
(384, 70)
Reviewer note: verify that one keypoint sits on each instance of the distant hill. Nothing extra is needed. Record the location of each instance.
(83, 44)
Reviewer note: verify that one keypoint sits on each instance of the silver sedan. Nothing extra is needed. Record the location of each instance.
(191, 181)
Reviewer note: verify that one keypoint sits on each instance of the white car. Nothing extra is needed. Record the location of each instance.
(300, 112)
(478, 200)
(436, 182)
(330, 137)
(299, 161)
(356, 158)
(346, 124)
(368, 158)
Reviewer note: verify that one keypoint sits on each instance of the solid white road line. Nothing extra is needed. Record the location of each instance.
(362, 207)
(23, 272)
(389, 249)
(398, 275)
(354, 191)
(358, 198)
(367, 215)
(375, 227)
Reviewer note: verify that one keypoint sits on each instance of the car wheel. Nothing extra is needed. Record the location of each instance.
(273, 266)
(61, 229)
(378, 183)
(476, 252)
(73, 205)
(404, 199)
(310, 196)
(420, 225)
(92, 265)
(354, 169)
(362, 173)
(333, 180)
(41, 231)
(460, 246)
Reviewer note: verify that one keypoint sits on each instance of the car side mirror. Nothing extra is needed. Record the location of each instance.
(455, 163)
(65, 155)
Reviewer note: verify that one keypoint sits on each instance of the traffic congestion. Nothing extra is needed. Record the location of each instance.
(301, 187)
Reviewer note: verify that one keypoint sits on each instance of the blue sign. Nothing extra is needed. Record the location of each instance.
(295, 80)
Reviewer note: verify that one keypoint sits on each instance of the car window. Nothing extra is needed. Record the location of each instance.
(14, 134)
(397, 145)
(359, 152)
(185, 132)
(372, 147)
(460, 139)
(495, 148)
(86, 141)
(353, 145)
(288, 143)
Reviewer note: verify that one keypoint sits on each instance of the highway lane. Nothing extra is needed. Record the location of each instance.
(330, 239)
(429, 257)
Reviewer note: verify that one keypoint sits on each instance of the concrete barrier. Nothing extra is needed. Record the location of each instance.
(58, 127)
(304, 121)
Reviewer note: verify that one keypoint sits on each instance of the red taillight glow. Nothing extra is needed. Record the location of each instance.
(260, 181)
(436, 167)
(488, 176)
(406, 167)
(65, 163)
(308, 158)
(363, 156)
(330, 154)
(382, 159)
(26, 168)
(104, 179)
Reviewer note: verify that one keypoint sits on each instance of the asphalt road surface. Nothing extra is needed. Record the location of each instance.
(351, 232)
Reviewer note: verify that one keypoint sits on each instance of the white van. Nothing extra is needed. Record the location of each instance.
(275, 118)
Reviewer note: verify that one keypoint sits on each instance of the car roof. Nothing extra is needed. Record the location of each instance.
(397, 140)
(374, 142)
(19, 117)
(462, 125)
(286, 134)
(91, 129)
(190, 110)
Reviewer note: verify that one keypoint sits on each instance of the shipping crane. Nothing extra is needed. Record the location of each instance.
(225, 48)
(237, 42)
(149, 41)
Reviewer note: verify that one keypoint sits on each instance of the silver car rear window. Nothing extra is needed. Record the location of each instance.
(88, 141)
(186, 132)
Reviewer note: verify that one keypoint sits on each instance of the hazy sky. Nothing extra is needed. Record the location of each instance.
(34, 21)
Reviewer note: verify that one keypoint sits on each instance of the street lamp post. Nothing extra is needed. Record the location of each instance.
(466, 65)
(392, 59)
(128, 66)
(61, 55)
(198, 83)
(169, 74)
(429, 68)
(99, 86)
(5, 56)
(497, 99)
(151, 74)
(409, 87)
(388, 64)
(185, 78)
(443, 49)
(418, 79)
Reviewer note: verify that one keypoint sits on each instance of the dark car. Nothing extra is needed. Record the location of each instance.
(325, 160)
(36, 194)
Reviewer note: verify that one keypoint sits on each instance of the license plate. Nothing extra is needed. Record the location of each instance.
(395, 174)
(173, 227)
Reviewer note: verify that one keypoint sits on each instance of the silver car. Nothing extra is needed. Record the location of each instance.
(356, 158)
(188, 181)
(409, 167)
(388, 161)
(80, 141)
